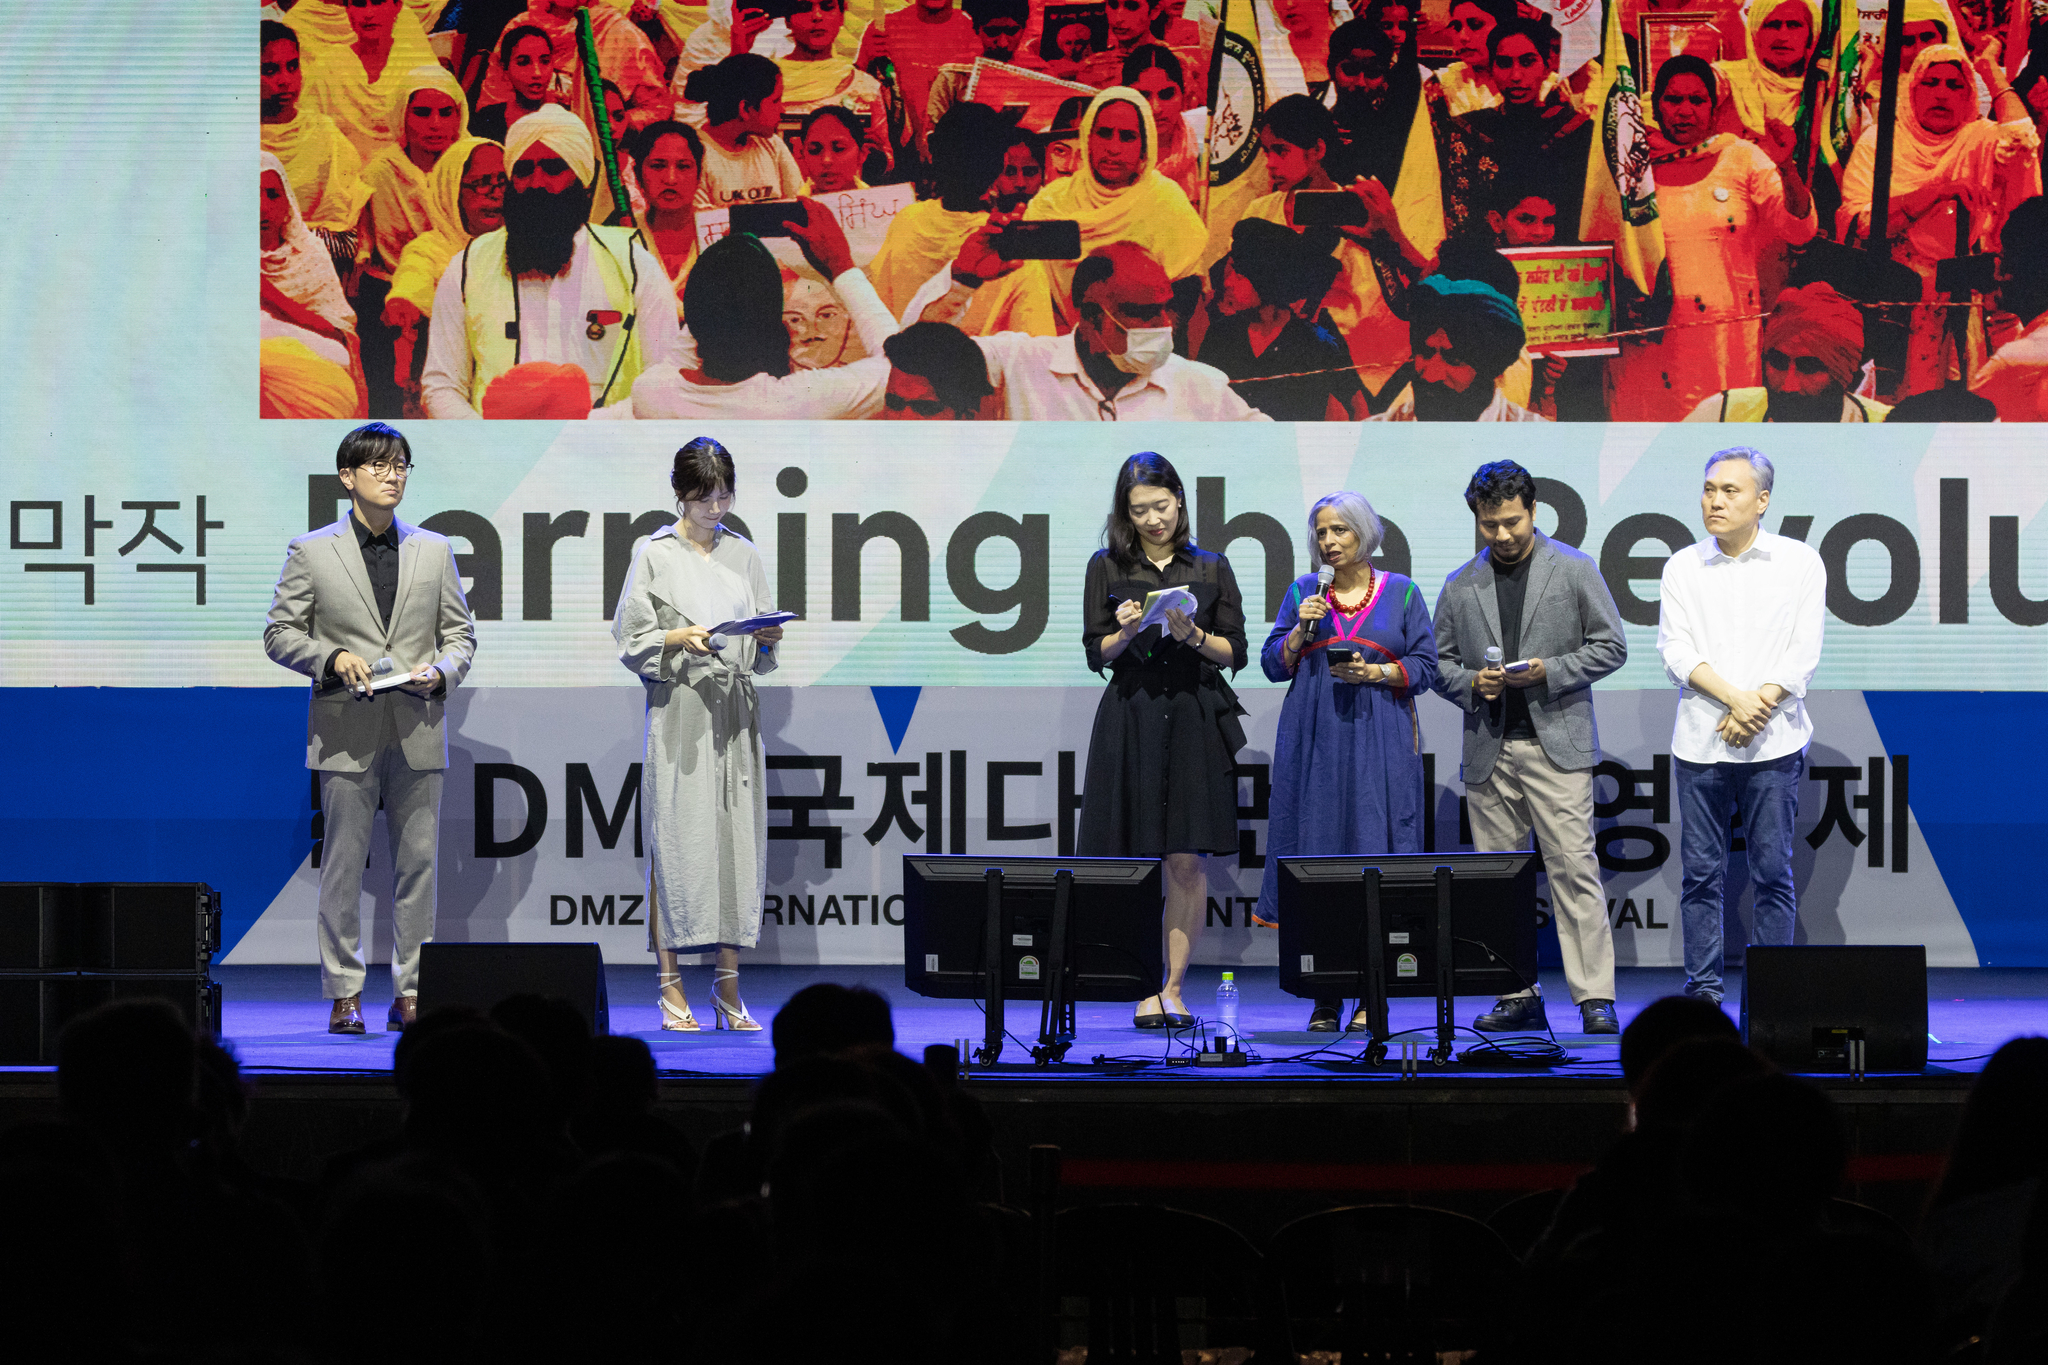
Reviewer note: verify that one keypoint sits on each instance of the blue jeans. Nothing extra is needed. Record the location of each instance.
(1709, 794)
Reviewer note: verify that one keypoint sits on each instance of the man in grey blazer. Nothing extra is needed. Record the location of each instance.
(371, 588)
(1530, 745)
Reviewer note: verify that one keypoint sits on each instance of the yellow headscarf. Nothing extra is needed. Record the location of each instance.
(1979, 152)
(399, 189)
(427, 255)
(1759, 94)
(323, 167)
(294, 383)
(430, 76)
(337, 85)
(326, 22)
(1150, 212)
(813, 82)
(1917, 12)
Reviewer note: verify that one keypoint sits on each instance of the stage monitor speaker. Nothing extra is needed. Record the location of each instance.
(147, 926)
(1803, 1006)
(196, 998)
(38, 927)
(482, 974)
(30, 1016)
(35, 1009)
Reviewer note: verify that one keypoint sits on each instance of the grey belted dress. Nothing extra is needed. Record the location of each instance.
(703, 778)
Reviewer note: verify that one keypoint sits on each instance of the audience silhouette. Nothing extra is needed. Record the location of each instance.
(536, 1205)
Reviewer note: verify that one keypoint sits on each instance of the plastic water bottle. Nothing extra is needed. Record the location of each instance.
(1226, 1008)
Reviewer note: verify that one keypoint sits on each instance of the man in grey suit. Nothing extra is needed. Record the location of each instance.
(1530, 744)
(370, 587)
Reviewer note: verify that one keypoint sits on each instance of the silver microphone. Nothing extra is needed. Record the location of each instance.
(1493, 656)
(1325, 576)
(383, 668)
(718, 642)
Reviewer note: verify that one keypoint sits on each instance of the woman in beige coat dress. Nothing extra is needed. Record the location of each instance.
(703, 783)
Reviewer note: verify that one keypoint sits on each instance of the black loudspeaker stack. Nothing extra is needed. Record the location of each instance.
(482, 974)
(68, 947)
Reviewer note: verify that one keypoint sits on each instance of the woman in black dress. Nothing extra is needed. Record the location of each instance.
(1160, 760)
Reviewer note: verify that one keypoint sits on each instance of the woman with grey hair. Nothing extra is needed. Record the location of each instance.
(1354, 653)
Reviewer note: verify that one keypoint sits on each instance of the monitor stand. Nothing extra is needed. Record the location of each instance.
(1056, 1004)
(1372, 985)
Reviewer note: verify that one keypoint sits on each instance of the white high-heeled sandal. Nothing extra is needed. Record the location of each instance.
(729, 1016)
(674, 1019)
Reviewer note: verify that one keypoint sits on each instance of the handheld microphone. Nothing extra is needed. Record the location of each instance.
(383, 668)
(1493, 660)
(1325, 576)
(718, 642)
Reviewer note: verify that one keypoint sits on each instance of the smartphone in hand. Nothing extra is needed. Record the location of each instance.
(770, 218)
(1328, 208)
(1519, 666)
(1341, 655)
(1057, 239)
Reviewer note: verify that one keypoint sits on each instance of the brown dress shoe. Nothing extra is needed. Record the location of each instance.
(404, 1010)
(347, 1016)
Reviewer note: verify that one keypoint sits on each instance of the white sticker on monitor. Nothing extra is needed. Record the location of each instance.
(931, 962)
(1027, 968)
(1308, 962)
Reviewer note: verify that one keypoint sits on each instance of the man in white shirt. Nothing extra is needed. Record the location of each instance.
(549, 285)
(1739, 627)
(1117, 365)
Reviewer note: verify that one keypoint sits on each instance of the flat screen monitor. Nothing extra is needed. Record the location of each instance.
(1114, 935)
(1323, 950)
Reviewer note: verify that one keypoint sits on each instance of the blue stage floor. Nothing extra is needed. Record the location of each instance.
(276, 1022)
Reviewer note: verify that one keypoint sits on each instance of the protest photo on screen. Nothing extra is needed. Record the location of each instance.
(732, 213)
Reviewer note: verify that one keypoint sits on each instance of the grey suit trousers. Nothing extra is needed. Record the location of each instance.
(412, 819)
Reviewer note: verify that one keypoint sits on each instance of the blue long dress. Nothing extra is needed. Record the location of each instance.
(1347, 766)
